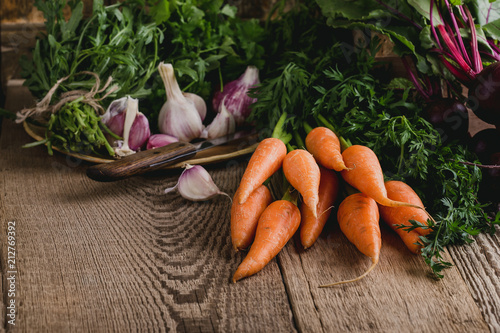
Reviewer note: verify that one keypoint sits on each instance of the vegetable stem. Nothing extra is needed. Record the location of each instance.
(298, 140)
(291, 195)
(457, 33)
(326, 123)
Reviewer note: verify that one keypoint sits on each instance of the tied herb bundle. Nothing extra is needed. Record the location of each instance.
(73, 123)
(76, 128)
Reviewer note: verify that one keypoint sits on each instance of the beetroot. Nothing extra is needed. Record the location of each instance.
(484, 94)
(449, 117)
(484, 144)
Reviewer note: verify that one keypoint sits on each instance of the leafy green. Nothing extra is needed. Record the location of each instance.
(119, 41)
(408, 24)
(202, 36)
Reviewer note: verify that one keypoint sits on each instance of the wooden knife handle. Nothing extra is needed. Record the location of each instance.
(141, 162)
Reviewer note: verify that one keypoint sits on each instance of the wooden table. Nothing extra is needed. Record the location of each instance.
(124, 256)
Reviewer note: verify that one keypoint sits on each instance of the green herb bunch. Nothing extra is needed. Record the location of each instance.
(119, 41)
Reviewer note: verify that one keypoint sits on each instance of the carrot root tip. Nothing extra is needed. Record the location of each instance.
(374, 263)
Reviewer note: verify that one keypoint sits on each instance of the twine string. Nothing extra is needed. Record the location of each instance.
(88, 97)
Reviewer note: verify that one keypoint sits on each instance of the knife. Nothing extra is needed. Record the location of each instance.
(158, 158)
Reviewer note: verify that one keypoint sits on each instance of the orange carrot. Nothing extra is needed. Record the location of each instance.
(365, 174)
(324, 145)
(311, 227)
(358, 219)
(399, 191)
(302, 172)
(277, 224)
(265, 161)
(244, 217)
(409, 238)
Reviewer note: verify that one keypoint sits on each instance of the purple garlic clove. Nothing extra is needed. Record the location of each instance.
(139, 133)
(196, 184)
(160, 140)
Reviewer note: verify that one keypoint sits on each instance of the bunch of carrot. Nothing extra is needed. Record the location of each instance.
(266, 226)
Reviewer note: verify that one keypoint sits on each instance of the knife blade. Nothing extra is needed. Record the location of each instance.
(158, 158)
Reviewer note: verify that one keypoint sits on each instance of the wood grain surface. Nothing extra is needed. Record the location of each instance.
(124, 256)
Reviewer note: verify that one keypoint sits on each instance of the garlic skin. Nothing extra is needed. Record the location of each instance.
(130, 116)
(115, 108)
(223, 124)
(123, 118)
(235, 95)
(160, 140)
(196, 184)
(178, 116)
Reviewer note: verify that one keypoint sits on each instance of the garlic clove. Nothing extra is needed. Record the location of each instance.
(223, 124)
(199, 103)
(160, 140)
(196, 184)
(178, 117)
(115, 124)
(139, 132)
(235, 95)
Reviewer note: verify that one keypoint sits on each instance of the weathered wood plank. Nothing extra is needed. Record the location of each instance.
(479, 265)
(124, 256)
(398, 295)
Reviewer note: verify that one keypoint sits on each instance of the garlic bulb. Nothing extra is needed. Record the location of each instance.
(196, 184)
(178, 116)
(124, 119)
(160, 140)
(223, 124)
(235, 95)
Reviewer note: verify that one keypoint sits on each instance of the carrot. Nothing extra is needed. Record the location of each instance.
(365, 174)
(302, 172)
(324, 145)
(277, 224)
(409, 238)
(397, 190)
(244, 217)
(400, 191)
(265, 161)
(358, 218)
(311, 227)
